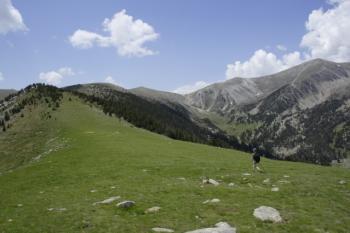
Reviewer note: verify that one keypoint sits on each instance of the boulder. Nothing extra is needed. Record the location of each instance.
(126, 204)
(266, 213)
(221, 227)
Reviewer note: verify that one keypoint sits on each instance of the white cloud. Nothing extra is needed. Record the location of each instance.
(127, 35)
(328, 33)
(327, 37)
(110, 79)
(55, 77)
(262, 63)
(191, 88)
(281, 47)
(10, 18)
(1, 76)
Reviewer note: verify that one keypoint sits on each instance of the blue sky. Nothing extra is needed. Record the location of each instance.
(193, 40)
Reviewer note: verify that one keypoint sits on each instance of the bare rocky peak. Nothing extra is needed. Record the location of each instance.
(314, 81)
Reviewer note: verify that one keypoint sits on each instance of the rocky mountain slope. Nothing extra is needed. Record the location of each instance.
(301, 114)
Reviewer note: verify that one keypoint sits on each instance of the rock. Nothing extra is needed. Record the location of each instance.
(286, 176)
(112, 187)
(153, 209)
(10, 220)
(57, 209)
(275, 189)
(211, 181)
(231, 184)
(93, 191)
(159, 229)
(181, 178)
(246, 174)
(266, 213)
(284, 181)
(215, 200)
(342, 182)
(221, 227)
(266, 181)
(126, 204)
(19, 205)
(107, 201)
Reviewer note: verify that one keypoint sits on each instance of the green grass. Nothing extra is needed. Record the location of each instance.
(100, 152)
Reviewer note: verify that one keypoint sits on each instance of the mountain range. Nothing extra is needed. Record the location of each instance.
(299, 114)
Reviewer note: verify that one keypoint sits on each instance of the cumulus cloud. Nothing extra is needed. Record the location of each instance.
(191, 88)
(55, 77)
(124, 33)
(262, 63)
(10, 18)
(110, 79)
(328, 33)
(326, 37)
(1, 76)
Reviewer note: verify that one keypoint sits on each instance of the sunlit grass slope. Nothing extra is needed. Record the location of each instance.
(94, 152)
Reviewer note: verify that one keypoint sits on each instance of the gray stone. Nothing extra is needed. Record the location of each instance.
(159, 229)
(107, 201)
(211, 181)
(126, 204)
(221, 227)
(275, 189)
(215, 200)
(266, 213)
(153, 209)
(342, 182)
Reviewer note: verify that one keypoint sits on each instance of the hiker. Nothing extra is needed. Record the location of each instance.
(256, 159)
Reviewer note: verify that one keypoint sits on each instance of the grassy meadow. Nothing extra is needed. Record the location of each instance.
(54, 169)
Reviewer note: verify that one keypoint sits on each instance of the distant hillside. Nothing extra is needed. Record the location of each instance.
(155, 113)
(6, 92)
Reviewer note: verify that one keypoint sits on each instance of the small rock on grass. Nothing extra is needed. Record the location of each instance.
(221, 227)
(342, 182)
(275, 189)
(231, 184)
(107, 201)
(159, 229)
(215, 200)
(266, 213)
(126, 204)
(211, 181)
(153, 209)
(266, 181)
(57, 209)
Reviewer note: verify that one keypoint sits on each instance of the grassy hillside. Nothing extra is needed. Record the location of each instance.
(88, 157)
